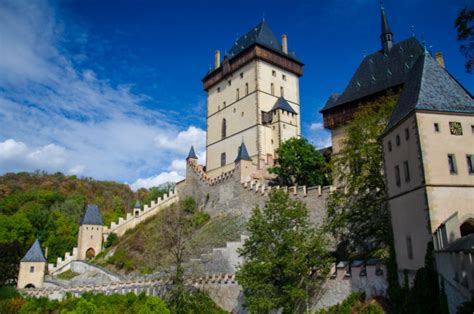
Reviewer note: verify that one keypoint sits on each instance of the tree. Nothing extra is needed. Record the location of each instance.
(357, 215)
(285, 258)
(300, 163)
(465, 28)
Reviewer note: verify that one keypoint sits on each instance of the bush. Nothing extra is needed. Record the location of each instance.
(354, 303)
(188, 204)
(121, 260)
(183, 301)
(200, 218)
(67, 275)
(111, 239)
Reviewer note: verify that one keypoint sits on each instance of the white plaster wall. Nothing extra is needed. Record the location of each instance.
(90, 236)
(35, 278)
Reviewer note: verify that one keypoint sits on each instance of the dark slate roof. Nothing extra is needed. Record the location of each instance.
(431, 87)
(260, 34)
(137, 204)
(378, 72)
(357, 263)
(34, 254)
(372, 261)
(464, 244)
(92, 216)
(281, 103)
(242, 153)
(191, 154)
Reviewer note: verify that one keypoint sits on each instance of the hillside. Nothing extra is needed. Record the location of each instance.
(142, 250)
(50, 206)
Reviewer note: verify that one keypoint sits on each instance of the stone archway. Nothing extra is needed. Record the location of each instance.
(30, 286)
(467, 227)
(90, 253)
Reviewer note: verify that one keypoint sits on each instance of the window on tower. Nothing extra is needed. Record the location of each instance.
(224, 128)
(283, 77)
(246, 88)
(274, 73)
(223, 159)
(242, 75)
(282, 91)
(272, 88)
(237, 95)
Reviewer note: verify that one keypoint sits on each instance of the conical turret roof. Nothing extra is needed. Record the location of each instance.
(34, 254)
(92, 216)
(242, 153)
(192, 154)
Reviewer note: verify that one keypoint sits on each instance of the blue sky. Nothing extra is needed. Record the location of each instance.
(112, 89)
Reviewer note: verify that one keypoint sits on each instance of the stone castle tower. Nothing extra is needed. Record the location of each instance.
(32, 268)
(90, 233)
(252, 98)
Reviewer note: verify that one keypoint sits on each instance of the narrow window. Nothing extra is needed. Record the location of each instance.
(92, 237)
(242, 75)
(409, 248)
(472, 129)
(224, 128)
(272, 141)
(237, 96)
(242, 114)
(397, 140)
(282, 91)
(218, 108)
(234, 110)
(406, 169)
(274, 73)
(436, 127)
(407, 134)
(283, 77)
(246, 88)
(470, 163)
(389, 146)
(224, 103)
(229, 82)
(272, 89)
(222, 159)
(397, 175)
(32, 269)
(452, 164)
(218, 89)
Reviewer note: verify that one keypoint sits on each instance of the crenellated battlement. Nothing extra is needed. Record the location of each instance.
(62, 263)
(263, 188)
(139, 215)
(203, 177)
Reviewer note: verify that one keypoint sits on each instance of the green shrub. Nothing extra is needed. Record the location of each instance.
(121, 260)
(354, 303)
(184, 301)
(67, 275)
(188, 204)
(7, 292)
(200, 218)
(111, 239)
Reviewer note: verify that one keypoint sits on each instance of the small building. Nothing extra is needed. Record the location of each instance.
(32, 268)
(90, 233)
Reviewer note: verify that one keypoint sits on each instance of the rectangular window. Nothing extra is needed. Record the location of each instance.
(237, 96)
(229, 82)
(397, 140)
(32, 269)
(409, 248)
(389, 146)
(407, 134)
(436, 127)
(223, 159)
(272, 89)
(472, 129)
(282, 91)
(246, 88)
(470, 163)
(242, 75)
(283, 77)
(406, 169)
(397, 175)
(218, 89)
(452, 164)
(274, 73)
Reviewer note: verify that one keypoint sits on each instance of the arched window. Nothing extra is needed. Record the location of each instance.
(224, 128)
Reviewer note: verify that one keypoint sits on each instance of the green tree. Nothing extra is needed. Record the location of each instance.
(465, 28)
(285, 258)
(357, 214)
(299, 163)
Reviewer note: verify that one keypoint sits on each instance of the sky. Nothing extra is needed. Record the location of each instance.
(112, 89)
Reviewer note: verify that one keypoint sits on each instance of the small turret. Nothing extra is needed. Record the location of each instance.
(243, 163)
(192, 154)
(32, 268)
(137, 208)
(387, 35)
(89, 241)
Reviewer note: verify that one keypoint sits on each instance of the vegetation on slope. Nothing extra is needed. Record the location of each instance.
(143, 249)
(49, 207)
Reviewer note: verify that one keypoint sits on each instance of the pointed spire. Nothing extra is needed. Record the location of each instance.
(34, 254)
(192, 154)
(387, 35)
(137, 204)
(92, 216)
(242, 153)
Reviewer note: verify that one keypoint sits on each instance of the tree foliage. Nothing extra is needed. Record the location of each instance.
(357, 214)
(299, 163)
(465, 28)
(285, 257)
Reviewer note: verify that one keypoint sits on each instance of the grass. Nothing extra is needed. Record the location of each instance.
(142, 250)
(67, 275)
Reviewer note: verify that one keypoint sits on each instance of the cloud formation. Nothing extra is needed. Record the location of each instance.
(57, 116)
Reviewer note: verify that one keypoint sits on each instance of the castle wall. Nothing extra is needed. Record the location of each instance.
(90, 237)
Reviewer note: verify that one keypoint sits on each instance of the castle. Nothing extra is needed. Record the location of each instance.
(253, 106)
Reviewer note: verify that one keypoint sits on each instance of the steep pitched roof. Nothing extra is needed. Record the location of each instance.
(34, 254)
(191, 154)
(137, 204)
(242, 153)
(430, 87)
(380, 71)
(281, 103)
(92, 216)
(260, 34)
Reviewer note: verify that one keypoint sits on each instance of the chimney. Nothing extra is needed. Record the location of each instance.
(439, 58)
(217, 59)
(284, 44)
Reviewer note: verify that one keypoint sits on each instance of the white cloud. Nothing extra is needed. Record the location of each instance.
(163, 177)
(316, 126)
(55, 116)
